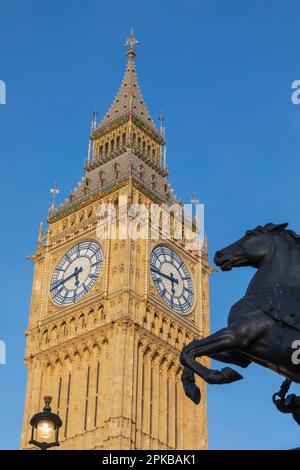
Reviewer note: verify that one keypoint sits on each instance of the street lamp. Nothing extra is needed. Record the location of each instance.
(45, 427)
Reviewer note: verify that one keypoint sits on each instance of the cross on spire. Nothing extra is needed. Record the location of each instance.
(131, 42)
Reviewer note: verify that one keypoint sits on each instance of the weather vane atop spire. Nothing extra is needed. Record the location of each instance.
(131, 42)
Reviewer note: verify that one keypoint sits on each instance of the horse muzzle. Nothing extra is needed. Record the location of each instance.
(224, 263)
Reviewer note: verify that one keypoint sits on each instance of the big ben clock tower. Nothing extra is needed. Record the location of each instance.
(109, 314)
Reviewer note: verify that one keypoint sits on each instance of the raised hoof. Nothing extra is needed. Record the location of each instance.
(223, 376)
(193, 392)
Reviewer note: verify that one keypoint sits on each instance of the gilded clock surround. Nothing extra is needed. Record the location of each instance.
(183, 256)
(110, 361)
(97, 281)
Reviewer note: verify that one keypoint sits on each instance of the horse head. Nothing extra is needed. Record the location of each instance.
(251, 249)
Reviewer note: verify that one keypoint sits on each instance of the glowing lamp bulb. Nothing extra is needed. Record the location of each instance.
(45, 429)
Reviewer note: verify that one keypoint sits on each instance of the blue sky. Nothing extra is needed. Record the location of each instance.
(222, 74)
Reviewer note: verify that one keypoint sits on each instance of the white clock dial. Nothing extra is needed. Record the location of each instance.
(172, 279)
(76, 273)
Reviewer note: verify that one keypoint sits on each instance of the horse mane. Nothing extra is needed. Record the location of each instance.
(270, 227)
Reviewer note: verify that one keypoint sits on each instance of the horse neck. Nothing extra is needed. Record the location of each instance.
(279, 268)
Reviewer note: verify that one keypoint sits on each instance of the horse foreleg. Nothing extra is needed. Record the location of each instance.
(188, 376)
(231, 357)
(222, 341)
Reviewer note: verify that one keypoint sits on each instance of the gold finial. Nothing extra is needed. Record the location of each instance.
(40, 238)
(93, 127)
(195, 200)
(54, 191)
(131, 42)
(161, 122)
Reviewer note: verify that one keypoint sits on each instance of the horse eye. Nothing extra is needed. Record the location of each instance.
(248, 233)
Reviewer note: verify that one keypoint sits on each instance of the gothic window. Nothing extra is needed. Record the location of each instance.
(118, 141)
(63, 326)
(82, 318)
(151, 399)
(97, 395)
(148, 151)
(142, 396)
(106, 148)
(168, 410)
(176, 414)
(87, 397)
(59, 394)
(124, 138)
(144, 146)
(134, 139)
(112, 145)
(139, 142)
(68, 405)
(101, 151)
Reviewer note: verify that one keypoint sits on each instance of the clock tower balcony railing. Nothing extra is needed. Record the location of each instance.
(119, 150)
(189, 220)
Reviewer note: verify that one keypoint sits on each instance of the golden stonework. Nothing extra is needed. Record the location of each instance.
(110, 359)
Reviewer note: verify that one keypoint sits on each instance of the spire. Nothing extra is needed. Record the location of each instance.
(129, 100)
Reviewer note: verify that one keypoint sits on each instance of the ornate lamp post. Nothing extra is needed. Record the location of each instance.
(45, 427)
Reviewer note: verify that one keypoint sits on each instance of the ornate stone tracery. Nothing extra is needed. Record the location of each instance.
(110, 361)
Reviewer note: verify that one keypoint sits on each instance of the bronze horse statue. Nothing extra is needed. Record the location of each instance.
(263, 326)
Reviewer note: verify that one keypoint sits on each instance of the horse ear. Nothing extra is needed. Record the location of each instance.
(280, 226)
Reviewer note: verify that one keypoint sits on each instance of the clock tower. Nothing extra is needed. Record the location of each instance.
(110, 312)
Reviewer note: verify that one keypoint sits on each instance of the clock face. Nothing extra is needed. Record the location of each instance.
(76, 273)
(171, 279)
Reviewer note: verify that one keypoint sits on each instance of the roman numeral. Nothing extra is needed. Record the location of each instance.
(188, 290)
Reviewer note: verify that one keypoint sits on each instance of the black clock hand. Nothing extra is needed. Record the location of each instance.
(170, 278)
(76, 279)
(75, 273)
(172, 281)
